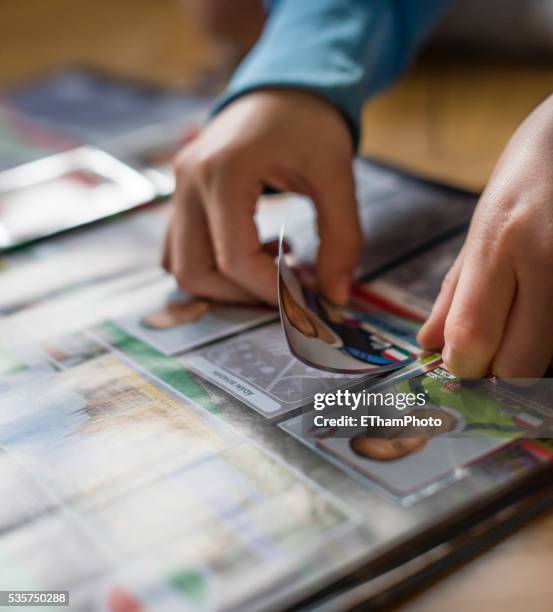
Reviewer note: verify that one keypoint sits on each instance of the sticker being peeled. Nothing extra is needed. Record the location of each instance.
(333, 338)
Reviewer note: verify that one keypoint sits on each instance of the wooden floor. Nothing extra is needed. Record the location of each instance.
(450, 119)
(447, 119)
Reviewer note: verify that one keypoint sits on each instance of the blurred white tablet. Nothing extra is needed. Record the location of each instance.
(64, 191)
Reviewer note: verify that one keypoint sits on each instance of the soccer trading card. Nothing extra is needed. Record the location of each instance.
(258, 368)
(338, 339)
(64, 191)
(173, 322)
(401, 466)
(476, 418)
(410, 468)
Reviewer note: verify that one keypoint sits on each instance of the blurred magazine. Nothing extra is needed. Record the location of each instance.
(81, 135)
(144, 471)
(80, 105)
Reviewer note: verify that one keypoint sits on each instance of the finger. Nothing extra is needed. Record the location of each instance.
(191, 255)
(479, 310)
(239, 254)
(527, 344)
(341, 239)
(431, 334)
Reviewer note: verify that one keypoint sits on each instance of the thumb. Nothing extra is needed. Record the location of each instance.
(341, 239)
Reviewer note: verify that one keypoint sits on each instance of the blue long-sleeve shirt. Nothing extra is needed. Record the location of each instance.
(343, 50)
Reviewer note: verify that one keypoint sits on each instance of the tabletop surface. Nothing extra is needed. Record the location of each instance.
(432, 123)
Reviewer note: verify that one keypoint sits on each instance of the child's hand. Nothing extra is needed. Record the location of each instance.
(495, 309)
(286, 139)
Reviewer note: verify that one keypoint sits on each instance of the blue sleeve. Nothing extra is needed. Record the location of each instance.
(343, 50)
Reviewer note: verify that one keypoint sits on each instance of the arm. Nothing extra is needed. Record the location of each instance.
(281, 124)
(494, 309)
(342, 50)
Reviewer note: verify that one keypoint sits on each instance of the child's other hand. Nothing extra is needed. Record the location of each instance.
(289, 140)
(495, 309)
